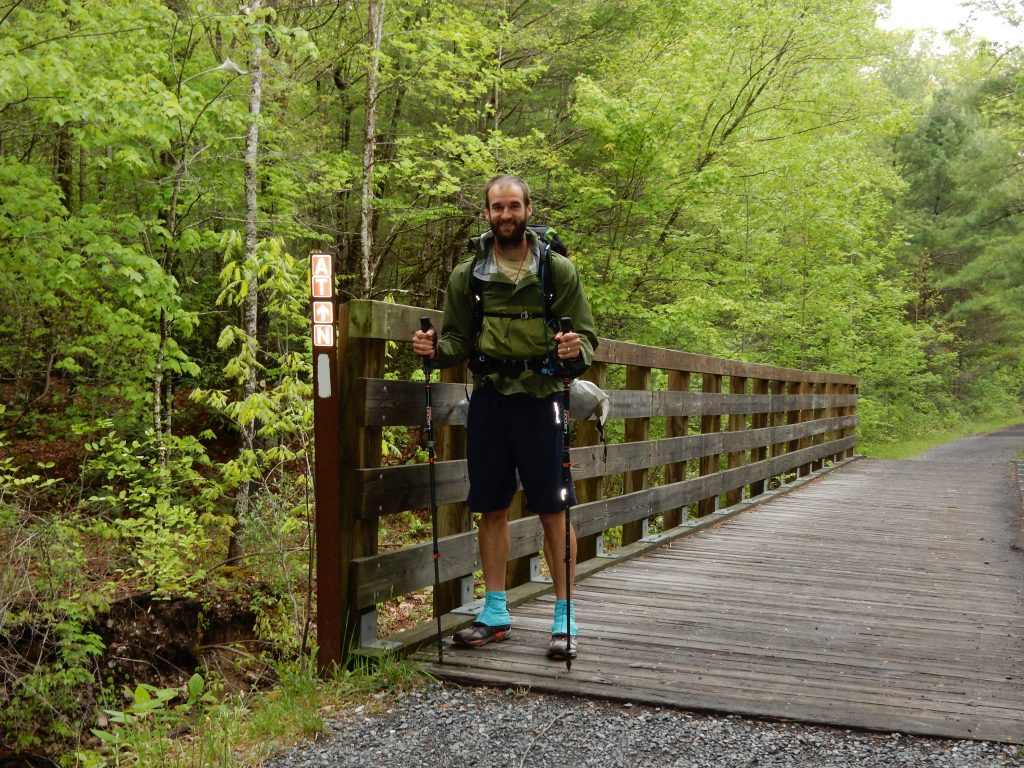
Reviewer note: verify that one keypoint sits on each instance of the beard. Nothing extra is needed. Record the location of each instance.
(509, 240)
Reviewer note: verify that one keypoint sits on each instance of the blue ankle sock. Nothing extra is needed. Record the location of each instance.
(558, 625)
(495, 612)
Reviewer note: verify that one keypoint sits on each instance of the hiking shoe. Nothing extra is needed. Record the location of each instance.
(562, 646)
(480, 634)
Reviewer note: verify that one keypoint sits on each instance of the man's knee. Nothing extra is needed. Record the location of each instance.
(554, 523)
(493, 521)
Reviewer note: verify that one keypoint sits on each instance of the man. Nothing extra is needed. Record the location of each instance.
(515, 412)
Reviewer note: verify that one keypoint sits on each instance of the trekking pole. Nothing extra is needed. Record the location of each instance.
(565, 325)
(426, 327)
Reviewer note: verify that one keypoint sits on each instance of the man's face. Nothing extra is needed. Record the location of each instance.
(507, 214)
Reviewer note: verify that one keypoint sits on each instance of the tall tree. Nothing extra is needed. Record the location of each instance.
(366, 210)
(250, 304)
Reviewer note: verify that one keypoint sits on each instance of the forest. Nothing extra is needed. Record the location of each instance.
(780, 182)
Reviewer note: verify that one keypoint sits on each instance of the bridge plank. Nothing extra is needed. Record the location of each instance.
(884, 596)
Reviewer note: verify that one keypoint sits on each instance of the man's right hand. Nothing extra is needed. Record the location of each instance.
(423, 344)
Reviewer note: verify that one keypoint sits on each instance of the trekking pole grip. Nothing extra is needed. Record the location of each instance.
(426, 326)
(565, 324)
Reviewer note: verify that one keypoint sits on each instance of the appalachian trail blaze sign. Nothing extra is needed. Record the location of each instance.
(321, 279)
(327, 491)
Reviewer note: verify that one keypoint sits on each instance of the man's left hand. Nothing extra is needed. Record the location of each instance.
(568, 345)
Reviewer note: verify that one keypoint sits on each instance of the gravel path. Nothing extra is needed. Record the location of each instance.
(444, 725)
(466, 728)
(998, 447)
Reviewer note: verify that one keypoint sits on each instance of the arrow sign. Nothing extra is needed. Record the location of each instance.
(323, 312)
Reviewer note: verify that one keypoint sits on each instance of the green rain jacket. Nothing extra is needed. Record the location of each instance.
(514, 338)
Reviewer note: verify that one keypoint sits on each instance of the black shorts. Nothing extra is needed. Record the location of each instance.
(509, 433)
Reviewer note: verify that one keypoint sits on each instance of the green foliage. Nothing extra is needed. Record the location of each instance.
(278, 528)
(239, 729)
(46, 602)
(961, 211)
(132, 735)
(154, 502)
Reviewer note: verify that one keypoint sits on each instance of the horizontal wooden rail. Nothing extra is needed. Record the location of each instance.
(730, 426)
(397, 322)
(400, 403)
(388, 490)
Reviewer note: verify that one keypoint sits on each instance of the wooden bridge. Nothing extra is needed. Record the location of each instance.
(884, 595)
(788, 578)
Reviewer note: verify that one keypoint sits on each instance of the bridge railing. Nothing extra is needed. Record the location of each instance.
(699, 434)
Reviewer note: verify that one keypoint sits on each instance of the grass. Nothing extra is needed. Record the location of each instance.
(912, 446)
(246, 730)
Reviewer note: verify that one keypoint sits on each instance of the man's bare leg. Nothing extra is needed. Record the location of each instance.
(554, 551)
(493, 623)
(495, 545)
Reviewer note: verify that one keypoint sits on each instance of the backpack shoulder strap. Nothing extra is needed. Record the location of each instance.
(476, 290)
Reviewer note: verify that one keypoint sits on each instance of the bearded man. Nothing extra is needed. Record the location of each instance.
(496, 316)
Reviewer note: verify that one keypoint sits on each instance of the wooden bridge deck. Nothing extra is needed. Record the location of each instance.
(882, 596)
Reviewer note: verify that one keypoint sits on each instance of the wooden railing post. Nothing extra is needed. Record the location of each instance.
(759, 421)
(832, 412)
(360, 448)
(851, 410)
(805, 414)
(637, 378)
(792, 417)
(737, 423)
(710, 424)
(676, 426)
(452, 518)
(818, 388)
(590, 489)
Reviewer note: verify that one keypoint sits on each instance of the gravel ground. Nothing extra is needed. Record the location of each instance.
(444, 725)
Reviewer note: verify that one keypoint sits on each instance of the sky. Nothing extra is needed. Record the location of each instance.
(948, 14)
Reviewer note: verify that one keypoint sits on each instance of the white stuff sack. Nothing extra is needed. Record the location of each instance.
(586, 399)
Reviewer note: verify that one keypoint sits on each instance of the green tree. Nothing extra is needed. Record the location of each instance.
(962, 212)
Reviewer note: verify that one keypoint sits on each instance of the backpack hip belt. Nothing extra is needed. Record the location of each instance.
(484, 365)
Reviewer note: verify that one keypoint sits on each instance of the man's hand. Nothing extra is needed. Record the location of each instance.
(568, 345)
(423, 344)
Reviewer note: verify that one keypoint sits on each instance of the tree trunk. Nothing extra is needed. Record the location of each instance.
(370, 145)
(64, 169)
(158, 390)
(250, 305)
